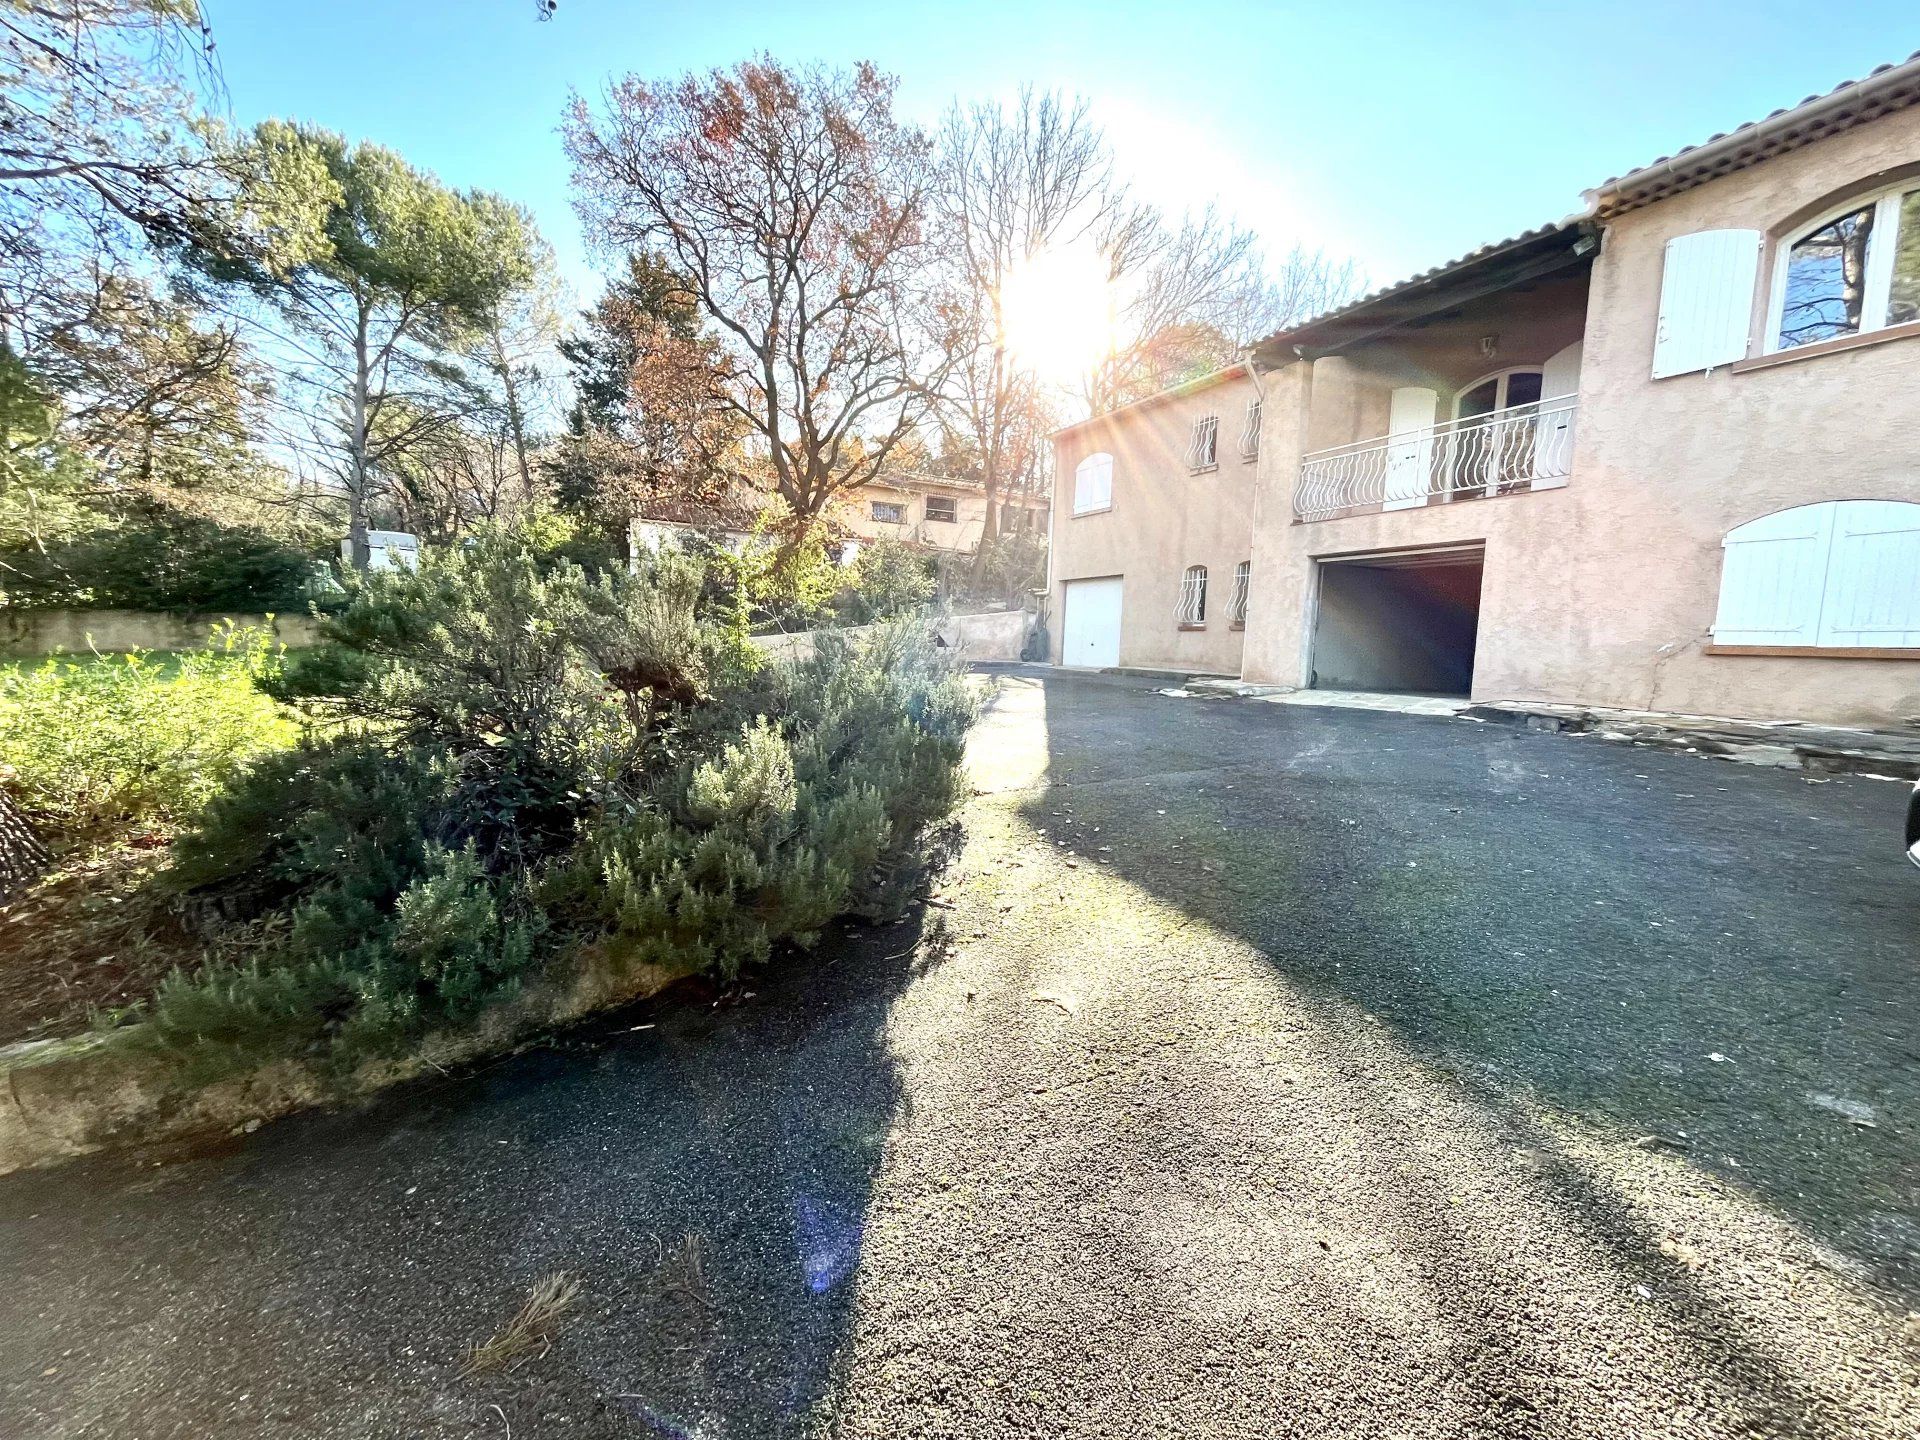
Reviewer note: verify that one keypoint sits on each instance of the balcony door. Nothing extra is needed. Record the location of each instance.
(1493, 432)
(1409, 446)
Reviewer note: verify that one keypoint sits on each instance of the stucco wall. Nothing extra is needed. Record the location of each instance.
(1164, 519)
(28, 633)
(991, 635)
(1602, 592)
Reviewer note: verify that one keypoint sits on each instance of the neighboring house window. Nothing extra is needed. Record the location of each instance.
(1840, 575)
(889, 512)
(1242, 580)
(1093, 484)
(1250, 437)
(1193, 596)
(942, 507)
(1854, 271)
(1204, 446)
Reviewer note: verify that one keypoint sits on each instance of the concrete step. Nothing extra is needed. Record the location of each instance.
(1785, 744)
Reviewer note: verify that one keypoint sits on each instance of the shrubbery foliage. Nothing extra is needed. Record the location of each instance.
(98, 743)
(170, 561)
(528, 768)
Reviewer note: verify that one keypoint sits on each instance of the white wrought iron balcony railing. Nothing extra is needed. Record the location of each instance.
(1524, 447)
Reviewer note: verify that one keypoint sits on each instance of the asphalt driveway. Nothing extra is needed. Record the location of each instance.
(1257, 1071)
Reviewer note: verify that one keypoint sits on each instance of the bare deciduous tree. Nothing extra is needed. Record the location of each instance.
(1195, 294)
(1012, 182)
(792, 201)
(97, 110)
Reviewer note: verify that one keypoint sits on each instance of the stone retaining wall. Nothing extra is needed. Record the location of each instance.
(27, 634)
(995, 635)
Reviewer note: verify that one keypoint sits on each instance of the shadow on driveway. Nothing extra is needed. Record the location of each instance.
(707, 1171)
(1715, 958)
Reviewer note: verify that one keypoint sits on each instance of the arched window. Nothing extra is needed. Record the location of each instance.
(1193, 596)
(1242, 583)
(1855, 269)
(1843, 575)
(1093, 484)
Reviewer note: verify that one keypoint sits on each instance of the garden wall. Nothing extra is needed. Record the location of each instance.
(25, 634)
(996, 635)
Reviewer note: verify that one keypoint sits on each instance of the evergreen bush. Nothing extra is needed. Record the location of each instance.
(516, 766)
(164, 560)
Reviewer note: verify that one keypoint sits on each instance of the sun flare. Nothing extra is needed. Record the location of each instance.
(1056, 313)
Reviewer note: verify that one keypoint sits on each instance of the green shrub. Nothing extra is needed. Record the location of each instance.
(890, 579)
(526, 764)
(96, 743)
(162, 561)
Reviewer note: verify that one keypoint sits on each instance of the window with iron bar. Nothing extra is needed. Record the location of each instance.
(1193, 596)
(1203, 449)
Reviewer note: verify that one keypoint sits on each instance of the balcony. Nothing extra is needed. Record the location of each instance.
(1502, 452)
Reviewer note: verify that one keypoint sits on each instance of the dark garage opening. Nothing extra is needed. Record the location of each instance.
(1402, 623)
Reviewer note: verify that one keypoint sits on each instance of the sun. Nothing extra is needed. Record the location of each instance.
(1056, 313)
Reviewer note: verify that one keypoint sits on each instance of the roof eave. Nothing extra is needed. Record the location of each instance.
(1554, 246)
(1172, 392)
(1890, 88)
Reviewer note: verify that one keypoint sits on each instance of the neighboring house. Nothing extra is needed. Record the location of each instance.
(1663, 455)
(672, 522)
(932, 512)
(387, 550)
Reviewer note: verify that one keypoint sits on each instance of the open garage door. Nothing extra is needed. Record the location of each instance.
(1090, 630)
(1405, 622)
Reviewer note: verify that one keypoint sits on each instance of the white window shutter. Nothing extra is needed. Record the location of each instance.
(1706, 300)
(1773, 578)
(1872, 597)
(1093, 483)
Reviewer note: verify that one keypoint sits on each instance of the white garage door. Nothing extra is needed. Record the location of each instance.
(1090, 635)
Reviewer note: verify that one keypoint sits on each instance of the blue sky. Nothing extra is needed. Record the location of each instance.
(1401, 134)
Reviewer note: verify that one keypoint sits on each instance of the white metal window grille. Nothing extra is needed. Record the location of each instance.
(1852, 272)
(1093, 484)
(942, 507)
(889, 513)
(1250, 437)
(1242, 581)
(1203, 448)
(1193, 596)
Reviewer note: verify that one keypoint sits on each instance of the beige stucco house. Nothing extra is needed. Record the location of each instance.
(932, 512)
(1662, 455)
(1154, 506)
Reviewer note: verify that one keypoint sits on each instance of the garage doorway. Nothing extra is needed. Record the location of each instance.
(1090, 629)
(1404, 623)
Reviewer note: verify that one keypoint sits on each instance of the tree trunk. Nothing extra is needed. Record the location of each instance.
(514, 421)
(23, 854)
(359, 551)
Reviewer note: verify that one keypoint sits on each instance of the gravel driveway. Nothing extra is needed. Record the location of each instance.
(1258, 1071)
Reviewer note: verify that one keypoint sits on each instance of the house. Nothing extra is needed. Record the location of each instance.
(1663, 455)
(1153, 529)
(933, 512)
